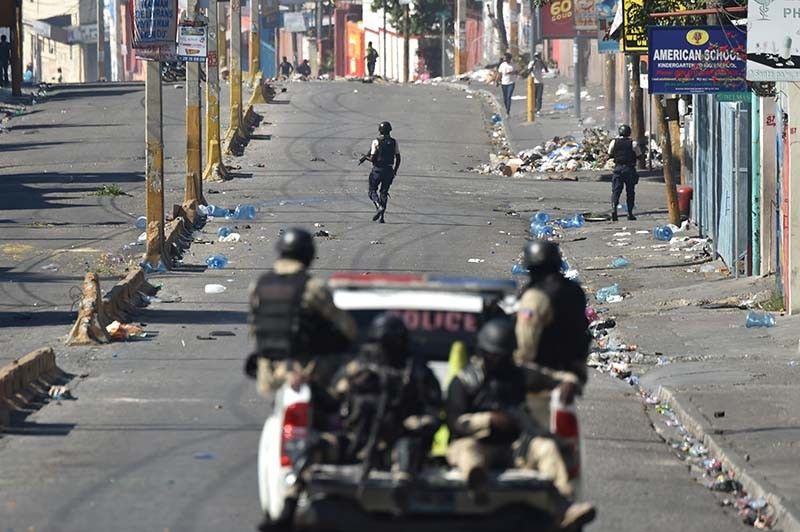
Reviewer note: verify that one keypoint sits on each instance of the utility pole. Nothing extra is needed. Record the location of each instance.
(154, 168)
(384, 40)
(101, 41)
(16, 52)
(236, 70)
(610, 82)
(444, 43)
(319, 35)
(460, 37)
(406, 44)
(669, 171)
(193, 189)
(513, 36)
(255, 41)
(576, 64)
(214, 167)
(637, 107)
(223, 36)
(626, 90)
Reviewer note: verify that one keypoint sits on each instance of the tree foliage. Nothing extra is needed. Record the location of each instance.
(425, 15)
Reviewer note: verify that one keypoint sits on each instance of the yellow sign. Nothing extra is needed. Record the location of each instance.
(634, 35)
(697, 37)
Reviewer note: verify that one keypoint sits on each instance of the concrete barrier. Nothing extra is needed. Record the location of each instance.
(16, 377)
(120, 303)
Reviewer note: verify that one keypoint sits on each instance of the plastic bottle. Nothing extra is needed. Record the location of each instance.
(662, 232)
(243, 212)
(214, 288)
(217, 212)
(604, 293)
(620, 262)
(759, 319)
(141, 223)
(216, 262)
(519, 269)
(224, 231)
(496, 118)
(564, 266)
(540, 217)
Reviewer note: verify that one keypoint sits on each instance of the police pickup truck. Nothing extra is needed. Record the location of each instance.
(440, 312)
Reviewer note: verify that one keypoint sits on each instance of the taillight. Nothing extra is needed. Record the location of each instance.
(293, 432)
(564, 424)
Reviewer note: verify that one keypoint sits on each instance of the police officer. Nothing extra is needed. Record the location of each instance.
(295, 324)
(384, 153)
(551, 329)
(485, 415)
(391, 400)
(293, 318)
(625, 153)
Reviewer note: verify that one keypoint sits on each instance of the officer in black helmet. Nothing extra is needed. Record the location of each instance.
(293, 318)
(625, 153)
(489, 429)
(392, 396)
(552, 329)
(297, 330)
(384, 153)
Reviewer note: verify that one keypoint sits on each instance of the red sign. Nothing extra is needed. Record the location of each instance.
(212, 59)
(558, 19)
(432, 321)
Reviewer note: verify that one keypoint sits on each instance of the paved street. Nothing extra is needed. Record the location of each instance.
(163, 433)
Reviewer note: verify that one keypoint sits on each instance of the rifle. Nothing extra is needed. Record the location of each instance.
(383, 402)
(363, 158)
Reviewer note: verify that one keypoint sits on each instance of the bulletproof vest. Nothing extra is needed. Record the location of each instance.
(277, 320)
(566, 339)
(500, 391)
(622, 152)
(384, 156)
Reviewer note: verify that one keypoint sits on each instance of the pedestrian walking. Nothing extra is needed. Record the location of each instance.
(286, 68)
(372, 58)
(5, 60)
(384, 153)
(537, 67)
(624, 152)
(508, 77)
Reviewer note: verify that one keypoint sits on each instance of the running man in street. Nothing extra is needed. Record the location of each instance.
(384, 153)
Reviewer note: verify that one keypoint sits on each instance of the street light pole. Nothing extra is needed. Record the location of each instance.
(101, 41)
(407, 45)
(215, 170)
(194, 153)
(444, 44)
(384, 39)
(154, 169)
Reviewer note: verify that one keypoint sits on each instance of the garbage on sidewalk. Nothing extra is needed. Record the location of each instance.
(217, 262)
(759, 319)
(214, 288)
(124, 331)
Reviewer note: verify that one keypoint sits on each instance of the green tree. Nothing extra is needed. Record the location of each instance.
(425, 17)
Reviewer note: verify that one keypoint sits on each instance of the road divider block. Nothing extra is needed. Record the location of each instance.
(120, 303)
(19, 376)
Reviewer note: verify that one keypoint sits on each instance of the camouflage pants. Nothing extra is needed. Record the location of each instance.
(272, 374)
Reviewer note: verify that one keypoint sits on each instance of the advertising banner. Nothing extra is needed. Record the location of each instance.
(696, 60)
(585, 16)
(558, 20)
(606, 9)
(192, 43)
(155, 22)
(634, 35)
(294, 22)
(773, 43)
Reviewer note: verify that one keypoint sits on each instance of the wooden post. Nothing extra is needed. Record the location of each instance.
(610, 86)
(513, 30)
(666, 156)
(101, 41)
(154, 168)
(531, 97)
(637, 108)
(406, 44)
(214, 170)
(16, 52)
(255, 42)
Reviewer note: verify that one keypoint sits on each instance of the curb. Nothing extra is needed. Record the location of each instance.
(18, 375)
(785, 514)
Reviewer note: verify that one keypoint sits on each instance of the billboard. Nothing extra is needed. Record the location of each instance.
(585, 16)
(606, 9)
(155, 23)
(558, 20)
(634, 35)
(696, 60)
(773, 43)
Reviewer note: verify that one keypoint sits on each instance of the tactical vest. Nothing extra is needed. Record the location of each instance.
(566, 339)
(501, 392)
(622, 152)
(276, 314)
(385, 154)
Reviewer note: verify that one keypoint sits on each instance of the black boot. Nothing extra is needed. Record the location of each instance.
(614, 216)
(630, 212)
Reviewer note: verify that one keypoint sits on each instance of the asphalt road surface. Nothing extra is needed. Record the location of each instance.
(164, 431)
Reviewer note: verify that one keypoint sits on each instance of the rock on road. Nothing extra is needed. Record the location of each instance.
(164, 432)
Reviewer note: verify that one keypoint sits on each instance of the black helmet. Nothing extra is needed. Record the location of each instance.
(390, 332)
(542, 257)
(497, 337)
(624, 130)
(297, 244)
(384, 128)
